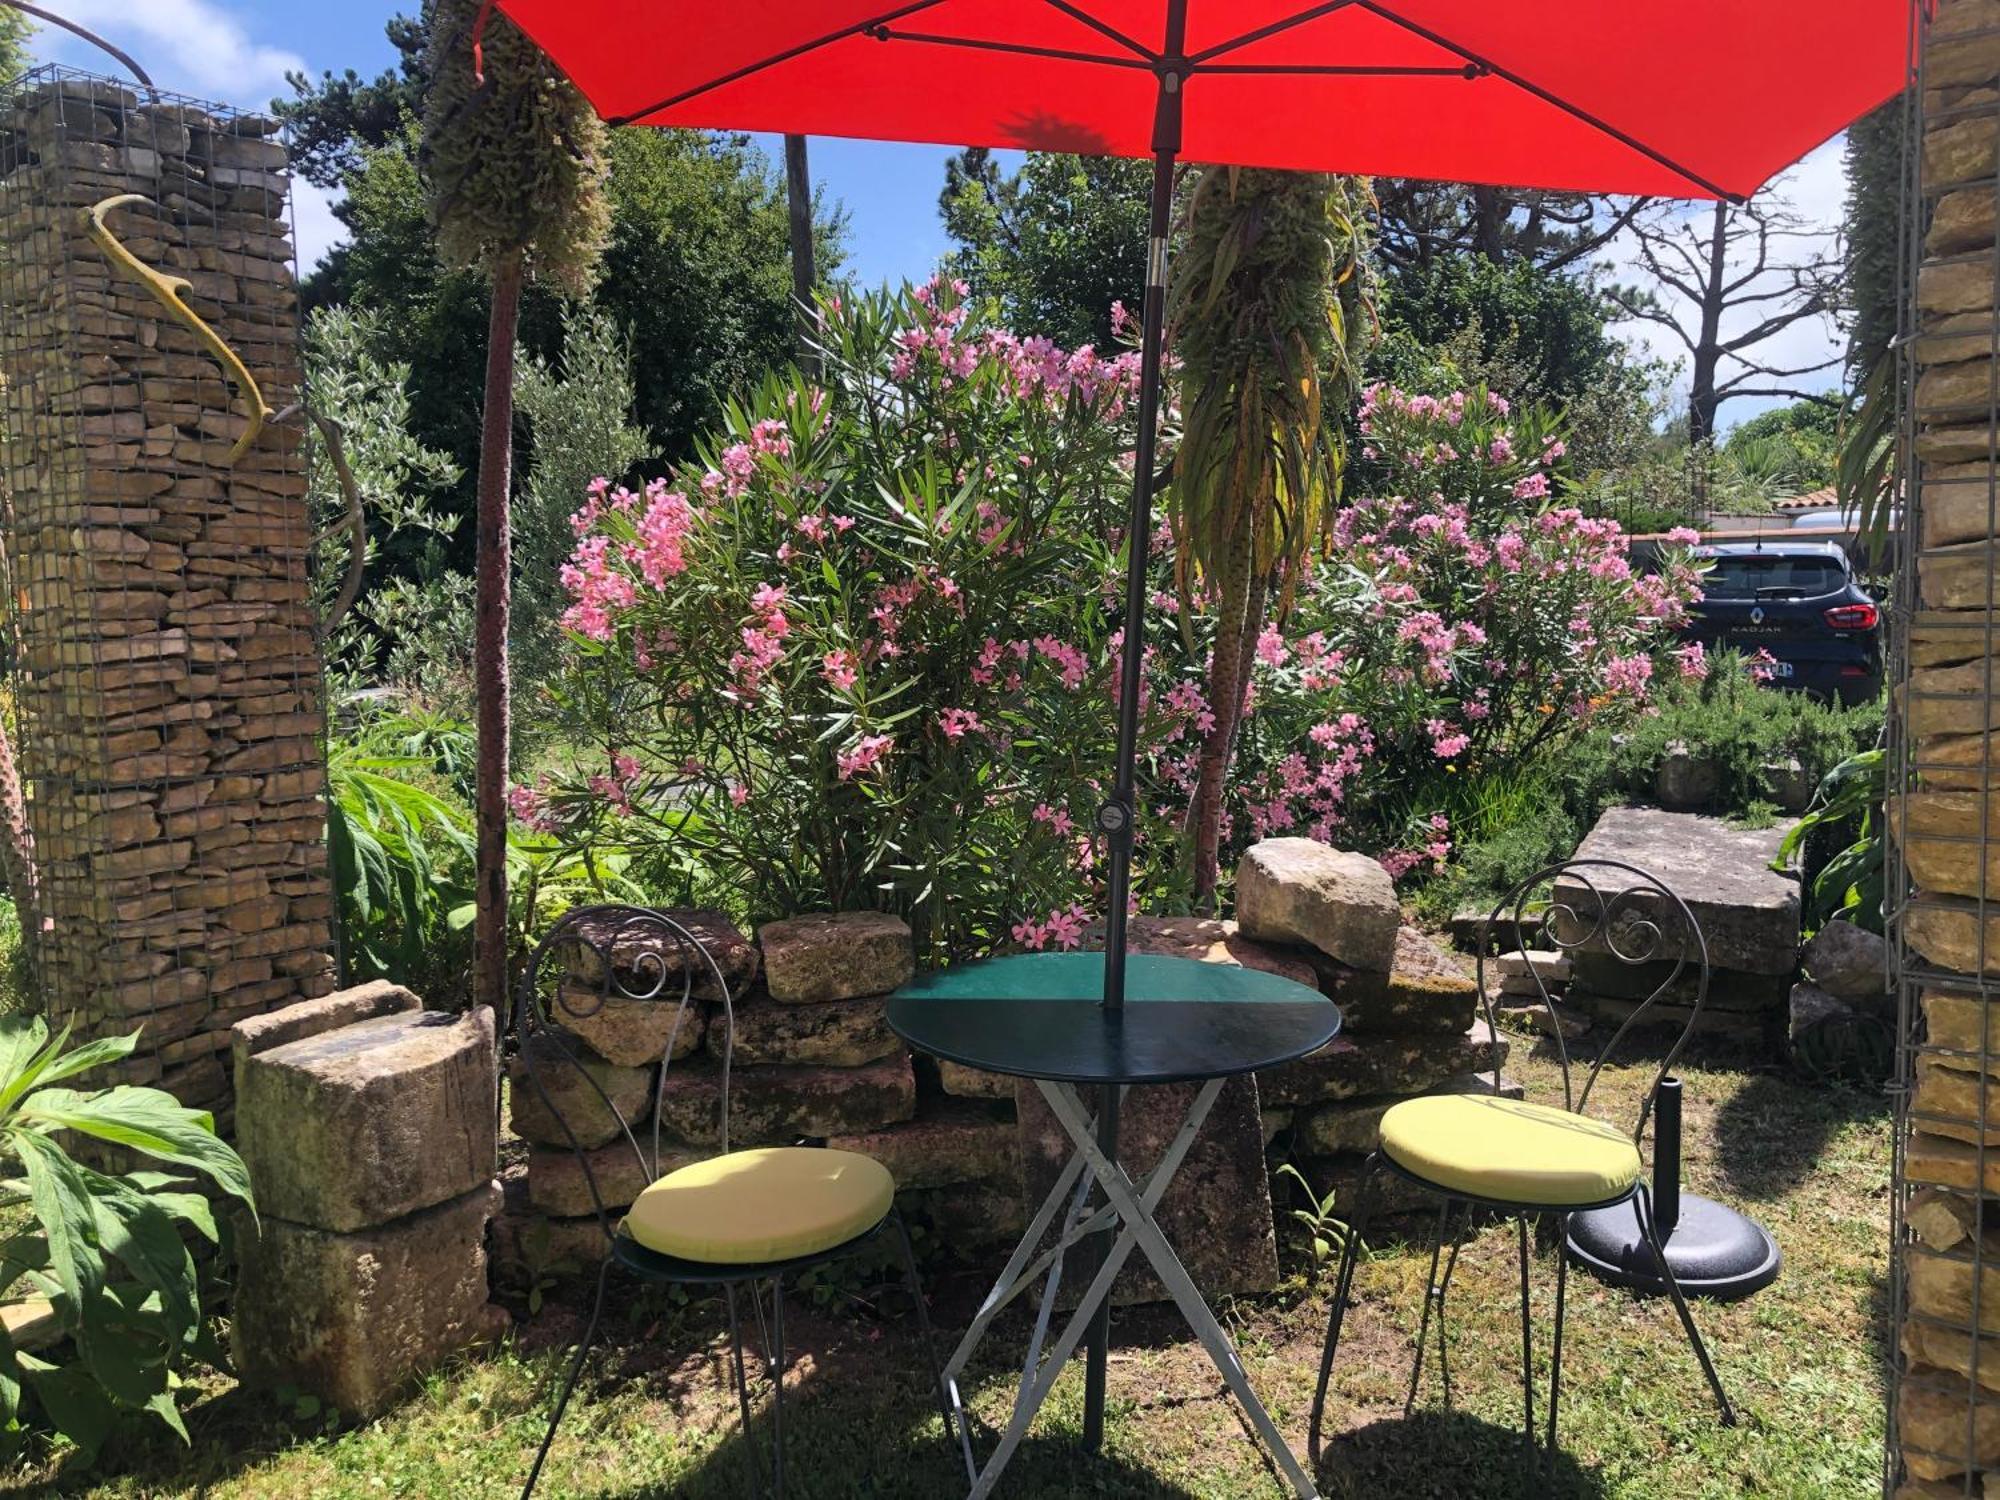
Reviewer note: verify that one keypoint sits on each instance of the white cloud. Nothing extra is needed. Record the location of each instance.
(1814, 191)
(187, 45)
(317, 230)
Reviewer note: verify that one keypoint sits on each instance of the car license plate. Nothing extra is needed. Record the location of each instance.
(1778, 668)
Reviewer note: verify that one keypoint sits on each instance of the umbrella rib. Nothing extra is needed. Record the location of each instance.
(1015, 49)
(1104, 28)
(1273, 29)
(1487, 65)
(858, 28)
(1340, 70)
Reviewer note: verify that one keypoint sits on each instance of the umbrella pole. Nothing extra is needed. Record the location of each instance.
(1118, 816)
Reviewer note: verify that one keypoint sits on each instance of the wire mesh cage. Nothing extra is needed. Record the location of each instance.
(1943, 851)
(165, 686)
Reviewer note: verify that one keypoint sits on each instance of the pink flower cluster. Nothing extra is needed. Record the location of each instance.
(1063, 927)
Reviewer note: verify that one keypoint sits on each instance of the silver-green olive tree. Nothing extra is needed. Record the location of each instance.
(515, 160)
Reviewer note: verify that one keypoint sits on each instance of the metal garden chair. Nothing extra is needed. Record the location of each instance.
(1530, 1161)
(737, 1220)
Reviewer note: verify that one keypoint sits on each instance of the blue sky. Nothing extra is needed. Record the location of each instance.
(238, 51)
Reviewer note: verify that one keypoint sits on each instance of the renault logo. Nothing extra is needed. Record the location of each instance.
(1757, 615)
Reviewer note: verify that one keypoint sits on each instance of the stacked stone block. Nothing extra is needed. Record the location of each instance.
(813, 1061)
(168, 681)
(1947, 1417)
(1407, 1007)
(1748, 913)
(368, 1128)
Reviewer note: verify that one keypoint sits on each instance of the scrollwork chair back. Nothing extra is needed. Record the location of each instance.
(595, 955)
(1614, 911)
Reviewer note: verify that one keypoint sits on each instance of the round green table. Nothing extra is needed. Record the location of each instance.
(1040, 1017)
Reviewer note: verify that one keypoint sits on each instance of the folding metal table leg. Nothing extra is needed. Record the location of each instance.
(1173, 1275)
(1034, 1392)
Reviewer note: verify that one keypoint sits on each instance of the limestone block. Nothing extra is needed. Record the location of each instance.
(1217, 1213)
(569, 1085)
(1215, 942)
(1933, 1161)
(1847, 961)
(1355, 1125)
(831, 1033)
(1940, 1219)
(1425, 989)
(642, 958)
(1954, 1102)
(1809, 1006)
(1354, 1067)
(557, 1184)
(947, 1143)
(1296, 890)
(1937, 832)
(363, 1002)
(1962, 1024)
(1545, 1018)
(973, 1083)
(1952, 700)
(1944, 1429)
(1728, 989)
(836, 956)
(1548, 965)
(777, 1105)
(1748, 912)
(968, 1216)
(364, 1123)
(1959, 1350)
(353, 1317)
(631, 1033)
(1685, 779)
(1946, 931)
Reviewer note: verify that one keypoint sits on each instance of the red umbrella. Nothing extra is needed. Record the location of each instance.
(1694, 99)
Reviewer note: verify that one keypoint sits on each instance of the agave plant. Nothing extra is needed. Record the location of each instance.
(1268, 306)
(108, 1252)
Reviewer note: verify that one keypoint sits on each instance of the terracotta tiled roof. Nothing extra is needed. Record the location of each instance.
(1827, 498)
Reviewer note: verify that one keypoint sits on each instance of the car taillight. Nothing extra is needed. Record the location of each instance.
(1853, 617)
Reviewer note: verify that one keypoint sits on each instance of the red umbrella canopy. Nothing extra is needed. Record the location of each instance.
(1695, 98)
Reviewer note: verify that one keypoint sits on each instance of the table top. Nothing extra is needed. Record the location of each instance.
(1037, 1015)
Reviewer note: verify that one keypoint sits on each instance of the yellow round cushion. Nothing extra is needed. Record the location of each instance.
(1510, 1151)
(771, 1204)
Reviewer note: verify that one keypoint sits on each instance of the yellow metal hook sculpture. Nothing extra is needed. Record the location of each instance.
(167, 290)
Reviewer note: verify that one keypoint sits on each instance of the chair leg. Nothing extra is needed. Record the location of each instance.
(569, 1384)
(1527, 1351)
(777, 1367)
(743, 1389)
(913, 1283)
(1431, 1298)
(1556, 1359)
(1444, 1293)
(1342, 1287)
(1643, 1205)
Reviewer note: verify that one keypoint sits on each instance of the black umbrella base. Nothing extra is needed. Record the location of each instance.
(1714, 1250)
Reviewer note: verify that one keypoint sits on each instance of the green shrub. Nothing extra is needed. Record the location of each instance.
(108, 1252)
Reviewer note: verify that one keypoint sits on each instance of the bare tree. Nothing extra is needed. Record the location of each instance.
(1726, 283)
(1419, 221)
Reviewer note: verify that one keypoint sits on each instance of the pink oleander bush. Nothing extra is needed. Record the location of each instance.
(1461, 624)
(855, 655)
(862, 651)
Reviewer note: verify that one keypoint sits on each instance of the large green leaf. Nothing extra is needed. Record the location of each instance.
(147, 1120)
(76, 1405)
(140, 1232)
(21, 1037)
(68, 1217)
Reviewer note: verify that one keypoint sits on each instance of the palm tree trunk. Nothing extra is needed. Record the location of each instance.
(489, 671)
(1226, 680)
(798, 203)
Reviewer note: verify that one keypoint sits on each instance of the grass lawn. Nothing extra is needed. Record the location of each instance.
(1803, 1361)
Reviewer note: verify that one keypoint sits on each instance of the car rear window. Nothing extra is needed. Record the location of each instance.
(1772, 577)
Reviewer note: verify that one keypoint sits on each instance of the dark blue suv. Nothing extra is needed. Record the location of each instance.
(1799, 602)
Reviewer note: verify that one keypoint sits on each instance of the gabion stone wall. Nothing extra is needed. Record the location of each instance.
(167, 680)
